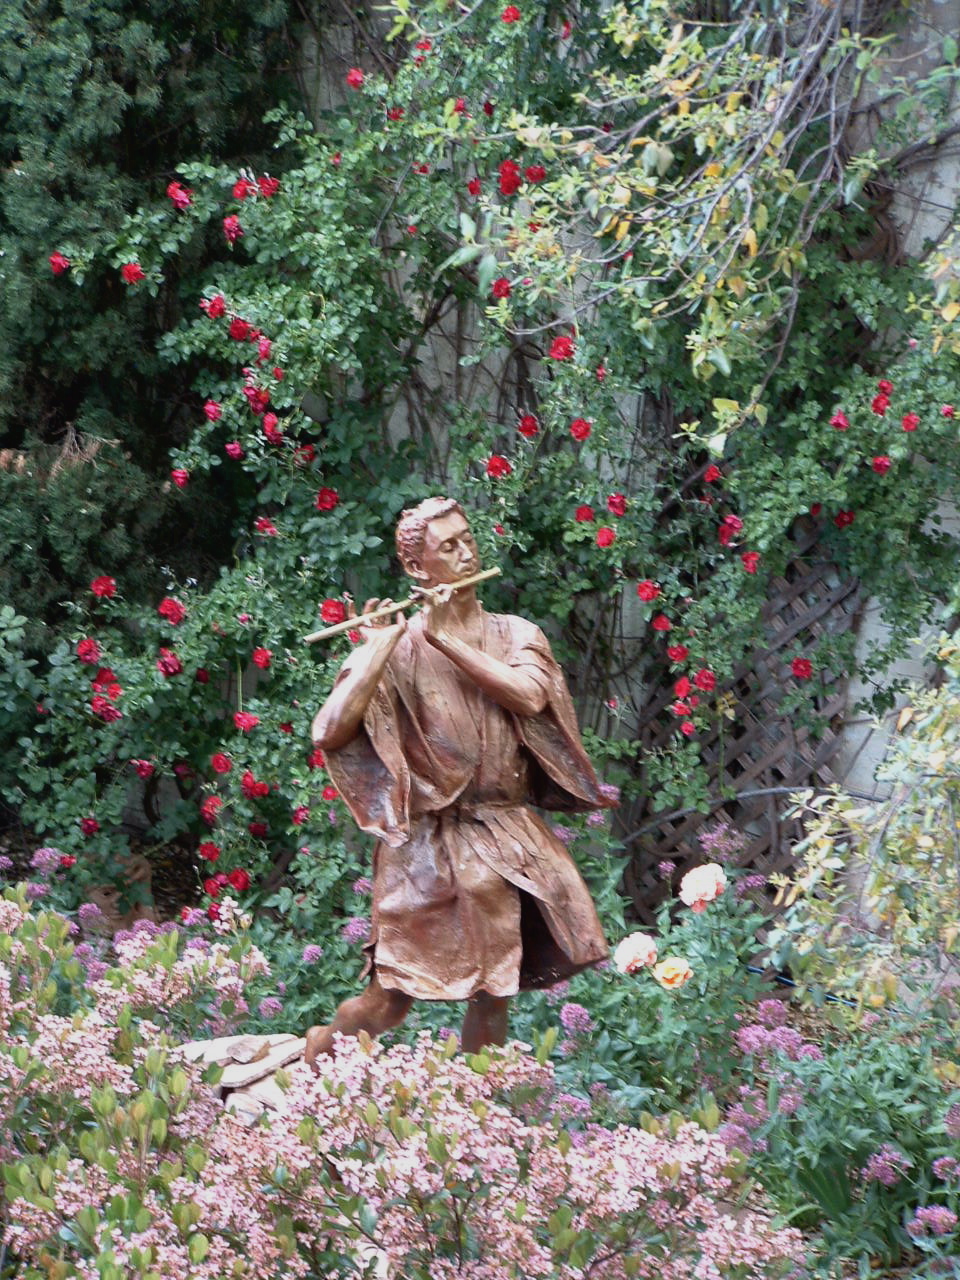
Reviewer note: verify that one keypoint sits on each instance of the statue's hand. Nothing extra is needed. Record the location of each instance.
(437, 612)
(381, 630)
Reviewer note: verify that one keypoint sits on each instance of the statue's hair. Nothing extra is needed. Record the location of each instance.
(412, 525)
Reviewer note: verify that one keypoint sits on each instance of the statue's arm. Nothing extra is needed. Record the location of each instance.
(338, 720)
(512, 688)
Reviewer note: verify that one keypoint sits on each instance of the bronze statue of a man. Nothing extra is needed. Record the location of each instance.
(438, 733)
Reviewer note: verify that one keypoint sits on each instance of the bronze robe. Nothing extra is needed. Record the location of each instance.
(471, 890)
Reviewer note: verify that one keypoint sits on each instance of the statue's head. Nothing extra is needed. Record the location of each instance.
(434, 542)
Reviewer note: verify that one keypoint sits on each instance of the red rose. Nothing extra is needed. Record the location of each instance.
(300, 814)
(105, 588)
(474, 186)
(143, 768)
(681, 709)
(258, 829)
(58, 263)
(179, 195)
(839, 420)
(89, 826)
(202, 676)
(815, 509)
(67, 860)
(220, 763)
(132, 273)
(316, 759)
(264, 351)
(172, 610)
(730, 526)
(88, 650)
(420, 167)
(268, 186)
(330, 793)
(213, 911)
(705, 680)
(617, 504)
(239, 329)
(500, 288)
(910, 421)
(460, 107)
(510, 181)
(535, 173)
(245, 721)
(213, 411)
(510, 14)
(843, 518)
(661, 623)
(561, 348)
(239, 879)
(647, 590)
(580, 429)
(211, 886)
(168, 664)
(209, 808)
(253, 789)
(750, 560)
(273, 436)
(355, 78)
(528, 425)
(678, 653)
(103, 679)
(180, 477)
(215, 307)
(881, 464)
(209, 851)
(606, 536)
(264, 525)
(104, 708)
(488, 108)
(234, 449)
(880, 405)
(802, 668)
(947, 410)
(326, 499)
(712, 474)
(681, 687)
(497, 467)
(688, 728)
(261, 658)
(885, 387)
(584, 514)
(395, 113)
(333, 611)
(242, 188)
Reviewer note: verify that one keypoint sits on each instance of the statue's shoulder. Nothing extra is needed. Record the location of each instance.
(521, 631)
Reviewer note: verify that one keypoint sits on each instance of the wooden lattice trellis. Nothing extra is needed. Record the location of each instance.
(760, 748)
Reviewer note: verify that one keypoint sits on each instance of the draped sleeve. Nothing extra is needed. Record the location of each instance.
(561, 777)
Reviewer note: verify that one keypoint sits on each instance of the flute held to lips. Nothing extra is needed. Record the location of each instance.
(350, 624)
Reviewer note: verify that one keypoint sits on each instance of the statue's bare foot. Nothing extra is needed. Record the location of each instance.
(319, 1043)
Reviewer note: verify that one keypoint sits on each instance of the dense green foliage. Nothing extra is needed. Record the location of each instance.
(98, 101)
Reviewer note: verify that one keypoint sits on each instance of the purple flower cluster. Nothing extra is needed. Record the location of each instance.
(575, 1019)
(720, 842)
(6, 864)
(951, 1121)
(666, 868)
(269, 1007)
(563, 834)
(312, 953)
(89, 914)
(362, 886)
(936, 1219)
(887, 1165)
(567, 1106)
(945, 1168)
(46, 860)
(357, 929)
(748, 883)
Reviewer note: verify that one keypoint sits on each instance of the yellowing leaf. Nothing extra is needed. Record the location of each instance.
(623, 228)
(713, 169)
(737, 286)
(683, 107)
(733, 101)
(951, 311)
(726, 406)
(904, 718)
(750, 240)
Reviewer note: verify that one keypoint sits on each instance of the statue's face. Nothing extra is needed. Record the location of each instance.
(449, 552)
